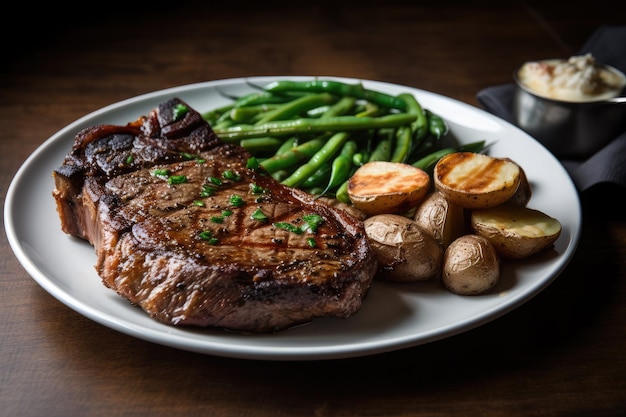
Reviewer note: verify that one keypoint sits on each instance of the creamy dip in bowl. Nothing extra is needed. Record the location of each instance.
(573, 106)
(578, 79)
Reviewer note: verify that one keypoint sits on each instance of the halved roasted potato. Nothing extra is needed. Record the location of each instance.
(444, 220)
(387, 187)
(405, 251)
(516, 232)
(474, 180)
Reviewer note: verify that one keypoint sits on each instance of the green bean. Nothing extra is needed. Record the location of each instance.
(266, 97)
(318, 178)
(294, 155)
(327, 151)
(224, 119)
(402, 146)
(426, 146)
(359, 158)
(370, 109)
(339, 88)
(261, 145)
(342, 193)
(341, 166)
(250, 114)
(308, 125)
(344, 105)
(382, 151)
(223, 124)
(436, 125)
(317, 111)
(281, 174)
(289, 143)
(340, 108)
(437, 128)
(212, 116)
(296, 107)
(428, 162)
(363, 140)
(420, 125)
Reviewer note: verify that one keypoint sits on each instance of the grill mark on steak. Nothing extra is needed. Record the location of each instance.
(154, 239)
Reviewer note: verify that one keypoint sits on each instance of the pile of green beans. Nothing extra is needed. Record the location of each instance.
(315, 134)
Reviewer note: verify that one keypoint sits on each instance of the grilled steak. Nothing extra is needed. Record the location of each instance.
(183, 228)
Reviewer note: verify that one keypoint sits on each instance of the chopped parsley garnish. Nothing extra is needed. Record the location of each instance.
(311, 242)
(256, 189)
(208, 236)
(161, 173)
(258, 215)
(311, 223)
(289, 227)
(198, 203)
(220, 219)
(180, 110)
(215, 180)
(166, 175)
(207, 191)
(252, 163)
(176, 179)
(129, 159)
(231, 175)
(236, 200)
(189, 156)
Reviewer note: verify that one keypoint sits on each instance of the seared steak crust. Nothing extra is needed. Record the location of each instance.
(183, 228)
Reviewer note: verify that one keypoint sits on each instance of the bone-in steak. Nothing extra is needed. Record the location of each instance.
(184, 228)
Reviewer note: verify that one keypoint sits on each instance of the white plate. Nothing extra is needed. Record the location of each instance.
(393, 316)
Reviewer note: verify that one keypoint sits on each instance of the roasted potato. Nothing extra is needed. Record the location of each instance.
(387, 187)
(405, 251)
(522, 195)
(471, 266)
(516, 232)
(444, 220)
(474, 180)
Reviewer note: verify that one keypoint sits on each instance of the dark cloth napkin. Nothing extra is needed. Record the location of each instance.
(608, 45)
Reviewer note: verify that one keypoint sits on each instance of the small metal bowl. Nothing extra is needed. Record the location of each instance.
(569, 129)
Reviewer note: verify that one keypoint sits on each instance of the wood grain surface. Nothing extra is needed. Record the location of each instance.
(560, 354)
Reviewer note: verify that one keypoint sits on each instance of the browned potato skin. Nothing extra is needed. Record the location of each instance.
(381, 187)
(405, 252)
(524, 191)
(480, 189)
(444, 220)
(509, 242)
(471, 266)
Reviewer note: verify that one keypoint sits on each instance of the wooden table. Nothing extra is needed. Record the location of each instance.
(560, 354)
